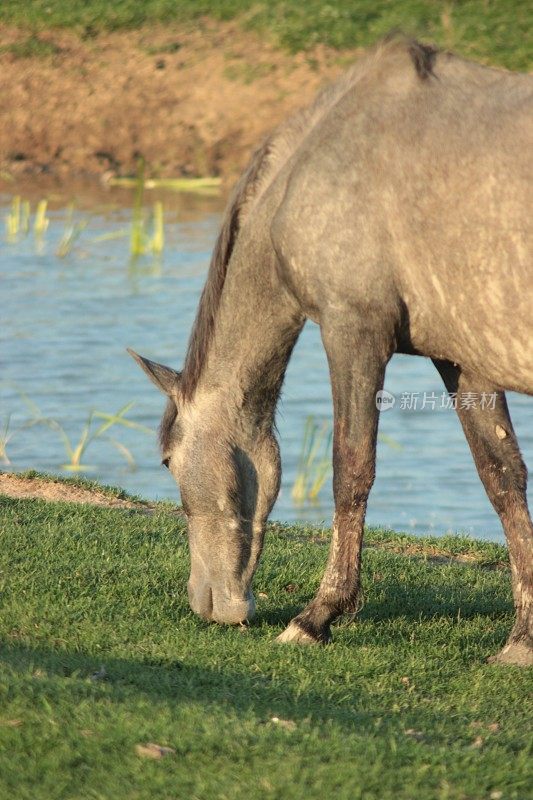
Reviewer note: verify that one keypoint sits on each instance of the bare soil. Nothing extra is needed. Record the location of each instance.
(193, 101)
(21, 487)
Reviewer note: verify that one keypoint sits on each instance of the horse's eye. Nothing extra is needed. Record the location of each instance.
(166, 462)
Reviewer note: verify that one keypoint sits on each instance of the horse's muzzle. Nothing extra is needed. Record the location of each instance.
(216, 606)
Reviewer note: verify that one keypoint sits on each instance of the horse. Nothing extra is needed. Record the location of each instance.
(393, 212)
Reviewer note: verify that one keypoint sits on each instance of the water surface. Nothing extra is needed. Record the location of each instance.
(66, 323)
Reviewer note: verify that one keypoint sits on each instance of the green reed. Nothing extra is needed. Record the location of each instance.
(13, 220)
(145, 235)
(18, 219)
(70, 234)
(41, 222)
(75, 450)
(314, 464)
(141, 240)
(158, 236)
(209, 186)
(7, 432)
(18, 224)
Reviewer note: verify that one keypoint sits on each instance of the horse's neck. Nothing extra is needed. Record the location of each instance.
(255, 330)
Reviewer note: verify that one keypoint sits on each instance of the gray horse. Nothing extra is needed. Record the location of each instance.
(394, 213)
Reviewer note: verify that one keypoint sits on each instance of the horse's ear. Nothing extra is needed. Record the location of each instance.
(165, 378)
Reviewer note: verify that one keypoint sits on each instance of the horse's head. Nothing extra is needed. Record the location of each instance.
(228, 472)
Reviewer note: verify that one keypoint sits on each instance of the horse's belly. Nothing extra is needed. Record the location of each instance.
(482, 333)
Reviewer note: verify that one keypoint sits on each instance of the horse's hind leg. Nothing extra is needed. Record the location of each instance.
(357, 360)
(492, 440)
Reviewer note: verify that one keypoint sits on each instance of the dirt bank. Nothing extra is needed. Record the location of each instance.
(24, 488)
(192, 101)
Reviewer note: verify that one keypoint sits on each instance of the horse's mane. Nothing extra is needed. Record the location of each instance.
(203, 327)
(267, 159)
(423, 58)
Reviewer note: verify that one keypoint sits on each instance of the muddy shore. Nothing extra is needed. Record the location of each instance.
(192, 101)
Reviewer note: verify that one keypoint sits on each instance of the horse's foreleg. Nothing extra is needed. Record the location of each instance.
(357, 361)
(492, 440)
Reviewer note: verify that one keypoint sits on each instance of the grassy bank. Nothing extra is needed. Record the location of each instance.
(100, 654)
(498, 31)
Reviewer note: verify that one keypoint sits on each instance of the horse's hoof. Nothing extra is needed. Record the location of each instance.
(518, 653)
(293, 634)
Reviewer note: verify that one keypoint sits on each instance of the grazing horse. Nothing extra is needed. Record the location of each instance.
(394, 213)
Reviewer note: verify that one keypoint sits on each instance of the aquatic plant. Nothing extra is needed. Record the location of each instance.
(76, 451)
(389, 441)
(25, 217)
(17, 221)
(13, 219)
(111, 235)
(205, 186)
(158, 237)
(70, 234)
(138, 233)
(144, 237)
(314, 464)
(5, 435)
(7, 432)
(41, 222)
(141, 242)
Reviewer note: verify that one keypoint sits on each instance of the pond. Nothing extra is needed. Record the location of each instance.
(67, 319)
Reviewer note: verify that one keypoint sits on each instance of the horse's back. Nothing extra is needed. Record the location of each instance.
(417, 191)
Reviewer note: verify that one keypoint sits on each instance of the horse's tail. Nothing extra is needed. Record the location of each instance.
(204, 324)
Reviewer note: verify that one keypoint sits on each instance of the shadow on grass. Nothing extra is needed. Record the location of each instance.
(80, 677)
(270, 692)
(458, 615)
(168, 682)
(396, 600)
(438, 600)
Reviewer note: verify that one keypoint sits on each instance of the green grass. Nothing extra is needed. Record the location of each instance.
(402, 705)
(498, 31)
(31, 47)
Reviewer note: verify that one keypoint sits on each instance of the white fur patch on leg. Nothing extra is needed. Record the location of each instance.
(293, 634)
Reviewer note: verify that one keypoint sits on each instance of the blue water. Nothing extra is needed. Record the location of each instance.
(66, 323)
